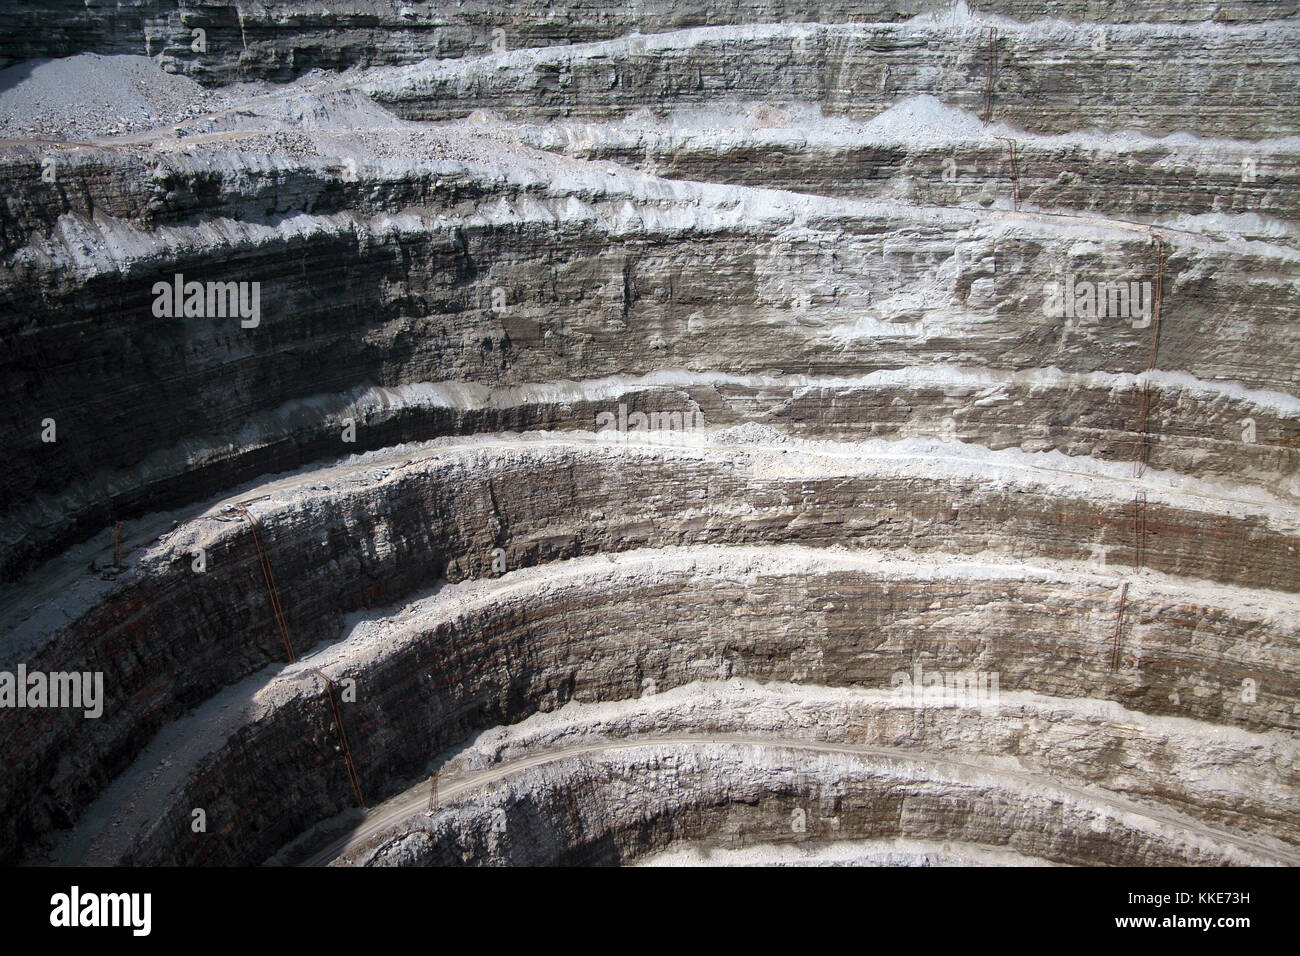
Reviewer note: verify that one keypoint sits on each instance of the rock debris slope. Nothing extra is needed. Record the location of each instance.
(583, 433)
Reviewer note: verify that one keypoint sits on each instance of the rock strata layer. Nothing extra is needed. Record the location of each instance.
(630, 417)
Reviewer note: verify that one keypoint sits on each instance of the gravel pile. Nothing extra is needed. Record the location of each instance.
(92, 96)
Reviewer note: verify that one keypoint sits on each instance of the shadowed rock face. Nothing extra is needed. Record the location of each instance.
(624, 419)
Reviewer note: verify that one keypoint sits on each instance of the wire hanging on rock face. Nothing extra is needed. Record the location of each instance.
(988, 83)
(1119, 628)
(276, 609)
(353, 777)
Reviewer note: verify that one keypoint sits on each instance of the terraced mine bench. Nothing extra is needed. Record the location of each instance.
(625, 419)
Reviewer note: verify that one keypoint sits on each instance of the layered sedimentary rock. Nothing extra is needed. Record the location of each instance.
(739, 495)
(1047, 78)
(928, 153)
(533, 396)
(283, 40)
(589, 812)
(482, 292)
(560, 641)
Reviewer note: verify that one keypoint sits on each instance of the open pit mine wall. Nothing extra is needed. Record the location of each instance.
(586, 813)
(1107, 178)
(446, 299)
(511, 652)
(1238, 82)
(168, 638)
(506, 655)
(597, 811)
(282, 40)
(1146, 181)
(504, 286)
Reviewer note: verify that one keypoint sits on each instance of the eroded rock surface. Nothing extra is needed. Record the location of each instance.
(612, 414)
